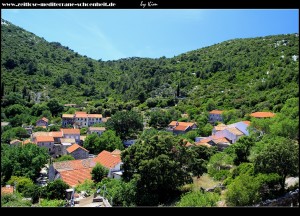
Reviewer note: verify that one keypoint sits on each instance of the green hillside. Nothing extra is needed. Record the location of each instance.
(248, 74)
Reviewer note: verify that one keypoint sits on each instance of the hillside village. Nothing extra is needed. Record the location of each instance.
(218, 126)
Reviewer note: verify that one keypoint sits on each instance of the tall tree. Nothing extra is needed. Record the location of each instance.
(126, 123)
(22, 161)
(99, 172)
(278, 155)
(159, 166)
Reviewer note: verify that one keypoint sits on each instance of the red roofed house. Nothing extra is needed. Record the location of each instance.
(43, 122)
(262, 114)
(45, 141)
(81, 119)
(97, 130)
(181, 127)
(75, 172)
(71, 133)
(78, 152)
(215, 116)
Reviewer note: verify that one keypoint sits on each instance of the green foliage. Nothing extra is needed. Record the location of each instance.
(198, 199)
(21, 183)
(126, 123)
(56, 189)
(277, 155)
(248, 190)
(64, 158)
(13, 133)
(54, 128)
(14, 200)
(24, 161)
(241, 149)
(88, 186)
(157, 164)
(219, 165)
(55, 107)
(107, 141)
(119, 192)
(99, 172)
(52, 203)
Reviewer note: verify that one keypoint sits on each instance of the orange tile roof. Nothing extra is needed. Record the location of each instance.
(220, 127)
(116, 152)
(44, 119)
(67, 140)
(173, 123)
(216, 112)
(95, 115)
(16, 141)
(181, 128)
(220, 140)
(40, 133)
(75, 147)
(56, 134)
(205, 140)
(70, 131)
(68, 115)
(27, 141)
(262, 114)
(247, 122)
(81, 115)
(74, 165)
(44, 139)
(7, 189)
(75, 177)
(203, 144)
(235, 131)
(107, 159)
(97, 128)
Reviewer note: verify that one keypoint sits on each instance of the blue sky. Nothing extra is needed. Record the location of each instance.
(114, 34)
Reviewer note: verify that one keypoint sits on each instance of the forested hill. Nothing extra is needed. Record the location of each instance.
(247, 74)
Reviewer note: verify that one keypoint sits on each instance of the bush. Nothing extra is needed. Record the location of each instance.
(198, 199)
(52, 203)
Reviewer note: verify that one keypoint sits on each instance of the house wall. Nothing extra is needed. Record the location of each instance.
(73, 136)
(79, 154)
(48, 145)
(215, 117)
(41, 123)
(115, 168)
(92, 121)
(67, 121)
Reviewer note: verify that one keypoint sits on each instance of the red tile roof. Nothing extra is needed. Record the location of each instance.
(262, 114)
(7, 189)
(68, 115)
(81, 115)
(235, 131)
(16, 141)
(247, 122)
(203, 144)
(180, 128)
(56, 134)
(116, 152)
(75, 147)
(220, 127)
(70, 131)
(75, 177)
(173, 123)
(74, 164)
(44, 139)
(97, 128)
(216, 112)
(44, 119)
(80, 112)
(26, 141)
(220, 140)
(107, 159)
(95, 115)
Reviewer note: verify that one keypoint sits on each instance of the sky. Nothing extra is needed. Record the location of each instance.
(118, 33)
